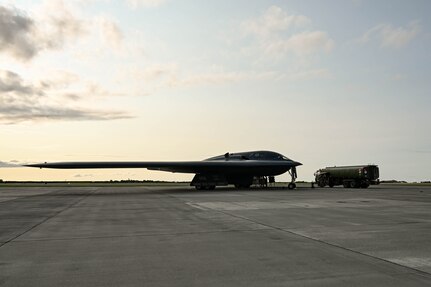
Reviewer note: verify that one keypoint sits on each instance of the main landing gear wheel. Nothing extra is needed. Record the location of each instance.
(291, 185)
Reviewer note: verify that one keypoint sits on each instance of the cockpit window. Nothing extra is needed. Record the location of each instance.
(260, 155)
(267, 155)
(255, 155)
(275, 156)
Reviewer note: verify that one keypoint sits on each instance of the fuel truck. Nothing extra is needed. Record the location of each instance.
(357, 176)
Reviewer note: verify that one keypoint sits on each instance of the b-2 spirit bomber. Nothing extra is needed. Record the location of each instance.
(238, 168)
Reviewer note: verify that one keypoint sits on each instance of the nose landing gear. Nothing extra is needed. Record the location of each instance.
(293, 175)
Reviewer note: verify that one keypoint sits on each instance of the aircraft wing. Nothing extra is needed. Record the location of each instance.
(177, 166)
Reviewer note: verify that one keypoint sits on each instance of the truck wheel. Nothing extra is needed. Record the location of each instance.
(365, 184)
(241, 186)
(331, 183)
(354, 184)
(346, 184)
(291, 185)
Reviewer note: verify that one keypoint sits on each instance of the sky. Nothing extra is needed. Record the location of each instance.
(325, 83)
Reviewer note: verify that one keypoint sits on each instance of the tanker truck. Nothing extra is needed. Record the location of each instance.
(349, 176)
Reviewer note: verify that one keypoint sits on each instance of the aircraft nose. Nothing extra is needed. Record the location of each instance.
(297, 163)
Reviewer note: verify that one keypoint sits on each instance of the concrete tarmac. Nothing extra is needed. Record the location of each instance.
(176, 236)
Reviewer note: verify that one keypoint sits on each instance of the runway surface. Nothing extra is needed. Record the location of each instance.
(176, 236)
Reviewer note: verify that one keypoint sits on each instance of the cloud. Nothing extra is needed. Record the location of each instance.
(47, 100)
(83, 175)
(23, 37)
(212, 78)
(167, 76)
(11, 82)
(160, 71)
(145, 3)
(274, 20)
(16, 33)
(301, 44)
(51, 26)
(14, 114)
(392, 37)
(57, 23)
(110, 32)
(170, 75)
(278, 33)
(306, 75)
(9, 164)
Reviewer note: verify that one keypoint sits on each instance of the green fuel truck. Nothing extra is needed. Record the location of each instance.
(349, 176)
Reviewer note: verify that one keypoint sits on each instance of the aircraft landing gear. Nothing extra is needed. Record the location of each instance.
(293, 175)
(205, 187)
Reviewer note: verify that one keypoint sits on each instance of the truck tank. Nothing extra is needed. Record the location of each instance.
(349, 176)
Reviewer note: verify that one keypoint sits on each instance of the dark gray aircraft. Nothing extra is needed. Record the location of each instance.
(238, 169)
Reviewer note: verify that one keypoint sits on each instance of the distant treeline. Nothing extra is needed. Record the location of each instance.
(402, 181)
(393, 181)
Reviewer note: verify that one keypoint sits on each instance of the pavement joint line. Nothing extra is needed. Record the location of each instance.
(46, 219)
(26, 196)
(140, 235)
(423, 273)
(35, 195)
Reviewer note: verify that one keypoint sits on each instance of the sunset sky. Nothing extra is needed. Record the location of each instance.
(322, 82)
